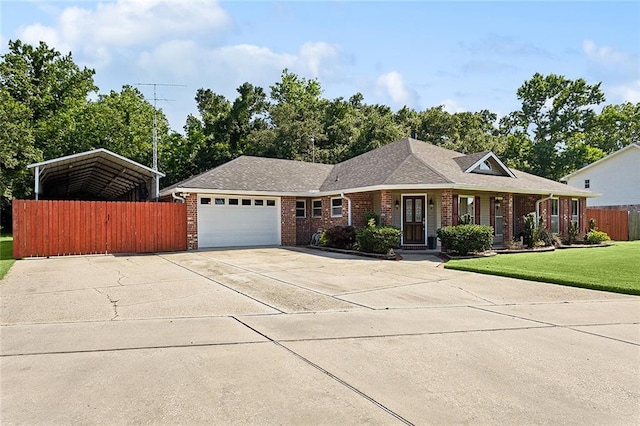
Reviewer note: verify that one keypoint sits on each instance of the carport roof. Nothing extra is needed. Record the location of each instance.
(99, 173)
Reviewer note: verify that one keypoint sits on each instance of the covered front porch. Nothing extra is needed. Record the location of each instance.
(419, 214)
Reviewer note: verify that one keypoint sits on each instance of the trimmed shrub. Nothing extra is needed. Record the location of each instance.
(546, 238)
(596, 237)
(464, 239)
(377, 239)
(371, 215)
(341, 237)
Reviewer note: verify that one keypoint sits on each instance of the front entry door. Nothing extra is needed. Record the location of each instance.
(413, 220)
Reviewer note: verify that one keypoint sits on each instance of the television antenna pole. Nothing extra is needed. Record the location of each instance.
(155, 126)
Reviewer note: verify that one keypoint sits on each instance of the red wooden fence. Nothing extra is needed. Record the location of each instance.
(58, 228)
(613, 222)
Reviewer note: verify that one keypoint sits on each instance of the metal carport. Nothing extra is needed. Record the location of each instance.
(95, 175)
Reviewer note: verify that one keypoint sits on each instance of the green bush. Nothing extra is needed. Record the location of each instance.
(341, 237)
(464, 239)
(545, 238)
(377, 239)
(371, 215)
(596, 237)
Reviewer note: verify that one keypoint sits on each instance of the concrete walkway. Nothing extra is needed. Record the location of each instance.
(291, 336)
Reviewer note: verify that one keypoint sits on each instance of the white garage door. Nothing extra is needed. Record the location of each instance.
(227, 221)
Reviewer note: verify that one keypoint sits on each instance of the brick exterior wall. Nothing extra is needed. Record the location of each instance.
(361, 203)
(192, 221)
(386, 208)
(522, 205)
(288, 236)
(446, 207)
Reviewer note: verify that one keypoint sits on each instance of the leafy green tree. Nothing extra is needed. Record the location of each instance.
(16, 149)
(121, 122)
(554, 111)
(295, 118)
(615, 127)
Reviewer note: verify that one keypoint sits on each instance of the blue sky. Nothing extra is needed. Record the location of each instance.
(466, 56)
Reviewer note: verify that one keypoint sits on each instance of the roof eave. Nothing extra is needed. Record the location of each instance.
(314, 193)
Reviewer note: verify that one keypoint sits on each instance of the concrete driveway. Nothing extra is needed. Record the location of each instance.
(291, 336)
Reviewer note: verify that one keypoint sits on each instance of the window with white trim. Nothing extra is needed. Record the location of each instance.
(555, 216)
(587, 183)
(301, 208)
(336, 207)
(575, 211)
(466, 210)
(499, 229)
(316, 208)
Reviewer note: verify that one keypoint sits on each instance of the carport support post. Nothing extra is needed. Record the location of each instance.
(156, 179)
(37, 183)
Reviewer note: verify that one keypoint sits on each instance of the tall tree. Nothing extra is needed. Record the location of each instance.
(42, 94)
(295, 118)
(555, 111)
(615, 127)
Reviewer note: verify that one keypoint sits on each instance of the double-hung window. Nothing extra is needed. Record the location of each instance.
(555, 217)
(301, 208)
(466, 210)
(336, 207)
(575, 211)
(316, 208)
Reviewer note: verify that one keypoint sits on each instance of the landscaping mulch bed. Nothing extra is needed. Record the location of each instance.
(394, 256)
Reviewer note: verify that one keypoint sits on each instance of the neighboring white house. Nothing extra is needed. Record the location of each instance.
(616, 177)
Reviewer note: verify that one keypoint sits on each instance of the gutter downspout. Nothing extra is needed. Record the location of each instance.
(538, 208)
(177, 198)
(348, 208)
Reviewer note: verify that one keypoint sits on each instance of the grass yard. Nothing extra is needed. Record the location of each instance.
(615, 268)
(6, 255)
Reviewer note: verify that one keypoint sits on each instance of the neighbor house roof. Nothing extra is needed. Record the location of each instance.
(634, 145)
(407, 163)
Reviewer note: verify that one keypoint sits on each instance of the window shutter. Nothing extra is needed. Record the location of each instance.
(454, 210)
(561, 215)
(476, 204)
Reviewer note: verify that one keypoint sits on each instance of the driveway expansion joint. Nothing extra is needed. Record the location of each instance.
(328, 374)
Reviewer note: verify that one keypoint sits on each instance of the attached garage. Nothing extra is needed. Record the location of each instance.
(230, 220)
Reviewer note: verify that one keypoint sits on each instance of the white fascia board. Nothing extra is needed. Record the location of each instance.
(488, 155)
(602, 160)
(336, 193)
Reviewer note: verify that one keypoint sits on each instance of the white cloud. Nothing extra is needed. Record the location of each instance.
(452, 107)
(603, 55)
(92, 33)
(627, 92)
(392, 85)
(317, 58)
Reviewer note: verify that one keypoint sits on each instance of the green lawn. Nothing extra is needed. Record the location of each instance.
(6, 255)
(615, 268)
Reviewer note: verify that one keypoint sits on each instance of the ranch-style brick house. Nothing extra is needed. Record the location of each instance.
(413, 185)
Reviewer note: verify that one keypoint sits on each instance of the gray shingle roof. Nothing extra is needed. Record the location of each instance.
(248, 173)
(404, 162)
